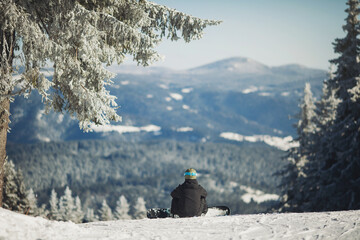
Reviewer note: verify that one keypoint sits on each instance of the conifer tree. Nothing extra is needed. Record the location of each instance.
(122, 208)
(78, 213)
(79, 39)
(15, 195)
(299, 156)
(33, 208)
(306, 128)
(340, 172)
(140, 208)
(10, 198)
(66, 206)
(54, 206)
(90, 216)
(23, 202)
(105, 212)
(327, 106)
(333, 175)
(327, 113)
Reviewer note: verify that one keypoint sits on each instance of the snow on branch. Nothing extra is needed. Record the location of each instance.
(165, 18)
(79, 38)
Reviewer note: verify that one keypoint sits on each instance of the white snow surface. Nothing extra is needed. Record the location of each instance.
(176, 96)
(251, 89)
(324, 225)
(185, 129)
(186, 107)
(124, 82)
(163, 86)
(256, 195)
(278, 142)
(187, 90)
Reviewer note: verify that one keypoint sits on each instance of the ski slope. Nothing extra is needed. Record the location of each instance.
(325, 225)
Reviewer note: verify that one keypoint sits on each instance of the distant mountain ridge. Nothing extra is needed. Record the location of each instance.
(236, 95)
(236, 65)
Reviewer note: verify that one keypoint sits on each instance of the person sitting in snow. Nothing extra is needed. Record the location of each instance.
(189, 198)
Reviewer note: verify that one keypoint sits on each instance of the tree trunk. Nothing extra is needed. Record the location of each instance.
(4, 123)
(7, 45)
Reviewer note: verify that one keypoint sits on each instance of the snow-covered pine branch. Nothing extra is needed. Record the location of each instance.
(80, 38)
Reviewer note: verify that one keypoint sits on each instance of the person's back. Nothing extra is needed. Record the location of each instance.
(189, 198)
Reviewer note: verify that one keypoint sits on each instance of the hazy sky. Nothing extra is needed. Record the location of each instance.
(273, 32)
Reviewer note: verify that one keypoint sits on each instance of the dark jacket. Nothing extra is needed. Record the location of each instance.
(189, 199)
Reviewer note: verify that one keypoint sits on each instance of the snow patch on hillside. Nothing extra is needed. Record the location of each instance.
(185, 129)
(42, 138)
(324, 225)
(250, 194)
(176, 96)
(281, 143)
(124, 83)
(186, 107)
(124, 129)
(256, 195)
(163, 86)
(187, 90)
(265, 94)
(251, 89)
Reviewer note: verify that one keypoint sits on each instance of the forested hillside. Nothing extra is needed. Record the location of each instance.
(98, 170)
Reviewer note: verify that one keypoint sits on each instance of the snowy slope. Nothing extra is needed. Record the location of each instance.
(326, 225)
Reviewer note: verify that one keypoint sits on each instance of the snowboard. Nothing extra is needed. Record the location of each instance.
(165, 212)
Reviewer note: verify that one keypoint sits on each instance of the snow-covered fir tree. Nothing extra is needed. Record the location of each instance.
(33, 208)
(79, 39)
(105, 212)
(122, 208)
(327, 106)
(78, 213)
(333, 175)
(66, 206)
(23, 202)
(90, 216)
(299, 156)
(54, 206)
(70, 209)
(340, 172)
(15, 194)
(327, 113)
(307, 122)
(10, 198)
(306, 128)
(140, 208)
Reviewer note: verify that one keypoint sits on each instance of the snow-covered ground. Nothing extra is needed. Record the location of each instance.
(278, 142)
(124, 129)
(325, 225)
